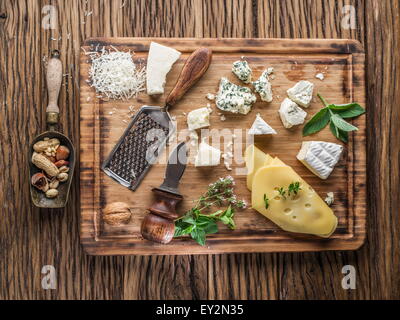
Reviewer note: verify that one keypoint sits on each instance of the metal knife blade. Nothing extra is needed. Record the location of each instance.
(175, 169)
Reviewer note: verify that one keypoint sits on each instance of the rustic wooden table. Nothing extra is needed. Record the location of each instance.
(31, 238)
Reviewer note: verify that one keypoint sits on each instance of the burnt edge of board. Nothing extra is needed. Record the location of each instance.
(98, 246)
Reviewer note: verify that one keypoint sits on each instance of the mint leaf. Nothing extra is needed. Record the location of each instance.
(199, 236)
(317, 122)
(353, 112)
(189, 219)
(211, 227)
(342, 124)
(343, 106)
(341, 135)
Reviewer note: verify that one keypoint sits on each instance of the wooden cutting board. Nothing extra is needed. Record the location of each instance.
(102, 123)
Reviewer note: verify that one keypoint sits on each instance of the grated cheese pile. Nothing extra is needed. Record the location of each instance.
(115, 75)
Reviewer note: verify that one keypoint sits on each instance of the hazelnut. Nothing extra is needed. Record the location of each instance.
(116, 213)
(51, 193)
(62, 177)
(39, 180)
(62, 153)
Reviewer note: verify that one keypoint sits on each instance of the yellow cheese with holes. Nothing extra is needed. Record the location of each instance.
(304, 213)
(276, 162)
(255, 159)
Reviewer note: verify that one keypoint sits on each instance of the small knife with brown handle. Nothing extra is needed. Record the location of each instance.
(158, 225)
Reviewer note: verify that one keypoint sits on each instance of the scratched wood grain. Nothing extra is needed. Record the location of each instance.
(31, 238)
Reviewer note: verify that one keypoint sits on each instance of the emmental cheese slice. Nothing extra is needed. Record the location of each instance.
(255, 159)
(305, 212)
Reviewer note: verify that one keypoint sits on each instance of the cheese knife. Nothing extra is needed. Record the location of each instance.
(158, 225)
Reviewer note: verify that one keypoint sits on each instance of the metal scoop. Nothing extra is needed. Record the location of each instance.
(53, 79)
(148, 132)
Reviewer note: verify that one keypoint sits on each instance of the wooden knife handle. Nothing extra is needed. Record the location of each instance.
(158, 225)
(195, 67)
(54, 79)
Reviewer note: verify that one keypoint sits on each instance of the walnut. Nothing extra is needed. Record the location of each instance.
(116, 213)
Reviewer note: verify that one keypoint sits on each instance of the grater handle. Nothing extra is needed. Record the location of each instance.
(195, 67)
(53, 79)
(158, 225)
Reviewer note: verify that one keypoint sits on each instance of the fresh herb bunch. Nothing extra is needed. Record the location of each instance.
(198, 224)
(334, 114)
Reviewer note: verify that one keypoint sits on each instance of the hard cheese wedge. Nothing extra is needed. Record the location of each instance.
(255, 159)
(304, 213)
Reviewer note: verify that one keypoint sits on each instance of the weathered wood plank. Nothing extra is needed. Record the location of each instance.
(383, 44)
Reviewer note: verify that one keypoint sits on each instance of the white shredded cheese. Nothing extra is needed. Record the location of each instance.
(115, 75)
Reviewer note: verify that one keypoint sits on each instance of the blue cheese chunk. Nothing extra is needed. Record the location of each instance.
(260, 127)
(291, 114)
(320, 157)
(234, 98)
(199, 118)
(242, 70)
(302, 93)
(263, 86)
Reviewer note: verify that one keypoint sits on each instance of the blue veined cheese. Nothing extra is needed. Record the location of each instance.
(291, 114)
(302, 93)
(199, 118)
(260, 127)
(263, 86)
(234, 98)
(320, 157)
(242, 70)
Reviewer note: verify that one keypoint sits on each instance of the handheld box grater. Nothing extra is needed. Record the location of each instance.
(148, 132)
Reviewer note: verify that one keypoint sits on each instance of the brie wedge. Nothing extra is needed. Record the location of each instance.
(207, 156)
(320, 157)
(234, 98)
(260, 127)
(291, 114)
(302, 93)
(199, 118)
(263, 86)
(159, 63)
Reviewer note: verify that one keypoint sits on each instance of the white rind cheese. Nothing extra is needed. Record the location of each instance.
(199, 118)
(320, 157)
(291, 114)
(260, 127)
(263, 86)
(159, 63)
(234, 98)
(302, 93)
(241, 69)
(207, 156)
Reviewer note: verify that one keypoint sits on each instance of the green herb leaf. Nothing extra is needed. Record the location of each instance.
(199, 236)
(266, 201)
(342, 124)
(189, 220)
(282, 192)
(343, 106)
(294, 188)
(317, 122)
(341, 135)
(353, 112)
(211, 227)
